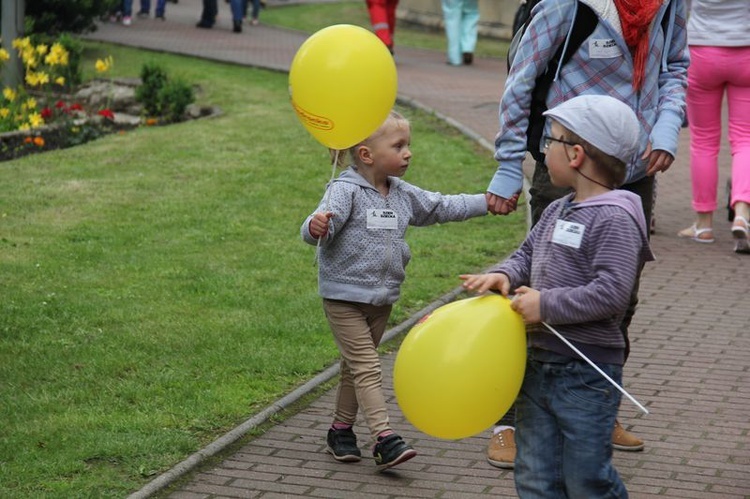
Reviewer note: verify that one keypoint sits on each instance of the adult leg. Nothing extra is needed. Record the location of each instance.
(255, 12)
(704, 96)
(208, 15)
(737, 60)
(161, 8)
(378, 10)
(452, 21)
(469, 27)
(145, 7)
(358, 329)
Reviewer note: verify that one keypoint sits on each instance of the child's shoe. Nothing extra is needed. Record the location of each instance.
(501, 451)
(624, 440)
(127, 21)
(342, 445)
(391, 450)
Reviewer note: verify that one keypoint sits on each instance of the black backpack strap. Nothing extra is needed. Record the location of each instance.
(583, 25)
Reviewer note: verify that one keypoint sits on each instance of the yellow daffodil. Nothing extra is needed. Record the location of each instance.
(21, 43)
(104, 65)
(36, 120)
(58, 56)
(60, 80)
(24, 127)
(9, 94)
(41, 49)
(31, 103)
(4, 55)
(4, 112)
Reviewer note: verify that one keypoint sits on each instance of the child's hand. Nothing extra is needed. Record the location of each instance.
(319, 224)
(481, 283)
(527, 303)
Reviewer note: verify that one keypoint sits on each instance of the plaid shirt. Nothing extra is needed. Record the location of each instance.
(602, 65)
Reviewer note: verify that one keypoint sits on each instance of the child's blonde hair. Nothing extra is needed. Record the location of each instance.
(350, 156)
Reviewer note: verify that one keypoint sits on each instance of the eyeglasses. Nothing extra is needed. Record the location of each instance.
(549, 140)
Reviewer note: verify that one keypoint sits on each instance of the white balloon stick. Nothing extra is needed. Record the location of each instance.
(328, 199)
(632, 399)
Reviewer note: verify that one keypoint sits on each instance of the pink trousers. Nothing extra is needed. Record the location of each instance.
(714, 71)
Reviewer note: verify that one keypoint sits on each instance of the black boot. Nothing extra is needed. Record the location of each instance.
(237, 26)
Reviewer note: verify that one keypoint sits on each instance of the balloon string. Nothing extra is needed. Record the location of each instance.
(334, 164)
(622, 390)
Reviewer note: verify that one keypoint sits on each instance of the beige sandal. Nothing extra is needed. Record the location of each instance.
(740, 232)
(704, 235)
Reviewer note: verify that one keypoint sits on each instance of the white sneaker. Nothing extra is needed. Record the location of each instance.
(127, 21)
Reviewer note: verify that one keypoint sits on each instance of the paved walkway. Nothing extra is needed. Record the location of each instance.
(691, 339)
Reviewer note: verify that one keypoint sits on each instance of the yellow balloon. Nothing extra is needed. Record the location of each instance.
(459, 370)
(343, 84)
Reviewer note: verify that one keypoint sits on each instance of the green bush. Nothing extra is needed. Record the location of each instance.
(53, 17)
(174, 97)
(161, 96)
(153, 79)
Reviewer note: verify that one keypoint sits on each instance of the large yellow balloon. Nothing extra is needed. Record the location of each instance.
(459, 370)
(343, 85)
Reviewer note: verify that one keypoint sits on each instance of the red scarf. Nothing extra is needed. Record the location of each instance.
(636, 17)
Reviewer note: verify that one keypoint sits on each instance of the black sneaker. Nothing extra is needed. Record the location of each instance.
(342, 445)
(391, 450)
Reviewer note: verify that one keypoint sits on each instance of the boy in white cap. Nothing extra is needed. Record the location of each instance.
(575, 271)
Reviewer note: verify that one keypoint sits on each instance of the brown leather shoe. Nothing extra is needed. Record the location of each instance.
(501, 452)
(624, 440)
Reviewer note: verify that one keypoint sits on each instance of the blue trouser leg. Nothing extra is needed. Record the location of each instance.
(564, 419)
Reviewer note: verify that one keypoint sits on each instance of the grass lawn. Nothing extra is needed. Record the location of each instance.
(156, 292)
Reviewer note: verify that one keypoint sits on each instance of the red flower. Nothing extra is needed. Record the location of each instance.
(46, 113)
(107, 113)
(59, 104)
(76, 107)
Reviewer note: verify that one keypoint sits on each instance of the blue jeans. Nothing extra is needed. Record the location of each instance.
(160, 6)
(564, 419)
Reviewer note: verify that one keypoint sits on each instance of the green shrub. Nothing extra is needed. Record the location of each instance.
(53, 17)
(153, 79)
(174, 97)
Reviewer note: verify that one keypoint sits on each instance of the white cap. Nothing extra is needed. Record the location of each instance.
(603, 121)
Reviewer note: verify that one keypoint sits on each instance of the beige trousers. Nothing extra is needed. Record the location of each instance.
(357, 329)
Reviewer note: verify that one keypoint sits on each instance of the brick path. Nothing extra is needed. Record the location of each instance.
(691, 340)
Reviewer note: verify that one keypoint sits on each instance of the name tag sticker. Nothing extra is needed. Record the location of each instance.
(604, 49)
(568, 234)
(382, 219)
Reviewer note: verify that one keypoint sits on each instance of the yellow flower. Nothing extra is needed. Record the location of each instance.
(24, 127)
(36, 120)
(30, 103)
(60, 80)
(21, 43)
(29, 58)
(4, 55)
(4, 112)
(9, 94)
(104, 65)
(41, 49)
(37, 79)
(58, 56)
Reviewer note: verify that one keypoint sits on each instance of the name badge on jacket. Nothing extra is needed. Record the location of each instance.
(604, 49)
(568, 233)
(382, 219)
